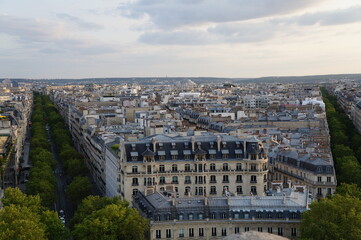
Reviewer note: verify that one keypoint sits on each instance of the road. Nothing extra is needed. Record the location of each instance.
(61, 179)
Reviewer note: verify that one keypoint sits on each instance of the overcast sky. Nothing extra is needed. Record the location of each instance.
(158, 38)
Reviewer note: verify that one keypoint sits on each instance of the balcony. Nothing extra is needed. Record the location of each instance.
(187, 181)
(225, 181)
(175, 182)
(213, 193)
(135, 184)
(213, 181)
(255, 181)
(239, 181)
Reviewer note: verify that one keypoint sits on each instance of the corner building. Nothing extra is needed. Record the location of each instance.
(205, 165)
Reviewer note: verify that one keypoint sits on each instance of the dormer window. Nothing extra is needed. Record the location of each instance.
(133, 147)
(173, 145)
(186, 144)
(211, 144)
(160, 146)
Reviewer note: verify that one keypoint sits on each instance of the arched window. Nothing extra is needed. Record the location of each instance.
(212, 167)
(174, 168)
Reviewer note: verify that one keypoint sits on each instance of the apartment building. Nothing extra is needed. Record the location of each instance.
(217, 217)
(316, 173)
(202, 165)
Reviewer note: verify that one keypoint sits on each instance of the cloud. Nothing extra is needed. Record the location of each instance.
(252, 30)
(221, 33)
(170, 14)
(49, 37)
(326, 18)
(79, 22)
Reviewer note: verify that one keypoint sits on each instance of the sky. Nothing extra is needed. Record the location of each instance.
(178, 38)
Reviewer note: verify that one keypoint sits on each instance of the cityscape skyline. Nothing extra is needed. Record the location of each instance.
(58, 39)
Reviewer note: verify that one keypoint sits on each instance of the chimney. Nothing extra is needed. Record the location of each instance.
(154, 144)
(193, 140)
(219, 143)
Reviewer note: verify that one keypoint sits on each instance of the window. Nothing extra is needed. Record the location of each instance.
(190, 216)
(280, 231)
(280, 215)
(175, 179)
(225, 179)
(181, 232)
(161, 168)
(187, 179)
(246, 229)
(158, 233)
(239, 190)
(134, 158)
(201, 232)
(225, 166)
(253, 167)
(293, 232)
(213, 215)
(135, 191)
(135, 182)
(329, 191)
(236, 215)
(224, 231)
(162, 180)
(214, 231)
(253, 179)
(174, 157)
(319, 191)
(259, 229)
(191, 232)
(213, 190)
(134, 169)
(319, 179)
(319, 169)
(254, 190)
(187, 190)
(223, 215)
(239, 166)
(174, 168)
(180, 216)
(200, 215)
(236, 230)
(328, 179)
(212, 156)
(225, 156)
(149, 169)
(253, 156)
(328, 169)
(168, 233)
(213, 179)
(239, 179)
(187, 168)
(212, 167)
(270, 230)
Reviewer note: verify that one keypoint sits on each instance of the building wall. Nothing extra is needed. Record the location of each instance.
(283, 227)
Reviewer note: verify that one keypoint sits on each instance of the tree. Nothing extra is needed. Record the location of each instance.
(341, 150)
(17, 222)
(93, 203)
(335, 218)
(78, 189)
(112, 222)
(349, 170)
(54, 228)
(349, 190)
(16, 197)
(75, 167)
